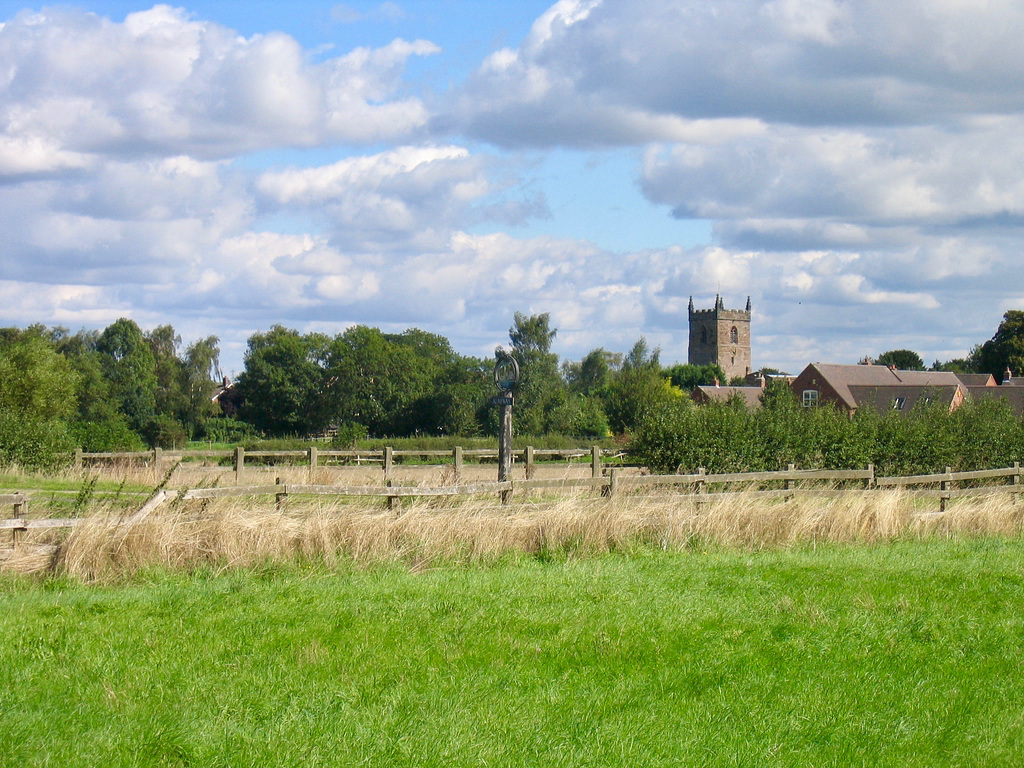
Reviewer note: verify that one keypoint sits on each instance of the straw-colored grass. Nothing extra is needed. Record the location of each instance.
(240, 533)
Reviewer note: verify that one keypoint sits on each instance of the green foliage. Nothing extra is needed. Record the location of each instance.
(591, 375)
(1006, 348)
(540, 386)
(224, 430)
(579, 416)
(638, 389)
(688, 377)
(165, 432)
(903, 359)
(283, 381)
(33, 443)
(35, 381)
(111, 434)
(726, 437)
(129, 367)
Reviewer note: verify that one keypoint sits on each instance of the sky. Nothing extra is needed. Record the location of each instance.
(855, 168)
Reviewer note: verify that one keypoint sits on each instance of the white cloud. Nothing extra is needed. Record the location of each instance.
(161, 81)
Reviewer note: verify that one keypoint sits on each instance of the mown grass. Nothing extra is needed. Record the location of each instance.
(900, 653)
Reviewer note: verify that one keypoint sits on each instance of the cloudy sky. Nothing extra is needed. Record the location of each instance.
(856, 168)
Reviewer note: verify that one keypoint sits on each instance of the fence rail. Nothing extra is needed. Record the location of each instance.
(700, 485)
(313, 457)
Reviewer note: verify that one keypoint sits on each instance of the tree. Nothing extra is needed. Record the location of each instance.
(638, 389)
(540, 387)
(591, 375)
(128, 365)
(200, 371)
(36, 382)
(687, 376)
(902, 359)
(281, 386)
(170, 399)
(372, 381)
(1005, 350)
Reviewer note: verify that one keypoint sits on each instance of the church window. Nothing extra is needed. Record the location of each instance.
(734, 335)
(703, 335)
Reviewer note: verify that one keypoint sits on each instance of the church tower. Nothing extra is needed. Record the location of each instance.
(721, 336)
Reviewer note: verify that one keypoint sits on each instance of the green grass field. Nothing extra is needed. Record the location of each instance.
(906, 653)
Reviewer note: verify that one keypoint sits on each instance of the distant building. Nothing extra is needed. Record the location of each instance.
(852, 387)
(1011, 391)
(749, 396)
(721, 336)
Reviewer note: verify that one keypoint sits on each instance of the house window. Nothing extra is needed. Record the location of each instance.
(734, 335)
(898, 403)
(810, 398)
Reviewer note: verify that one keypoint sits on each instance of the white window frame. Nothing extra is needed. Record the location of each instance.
(810, 398)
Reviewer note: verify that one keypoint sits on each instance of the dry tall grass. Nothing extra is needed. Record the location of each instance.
(233, 533)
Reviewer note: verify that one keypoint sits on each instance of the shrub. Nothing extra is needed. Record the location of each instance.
(35, 444)
(165, 432)
(224, 430)
(107, 435)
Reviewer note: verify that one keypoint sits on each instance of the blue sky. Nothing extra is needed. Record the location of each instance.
(854, 167)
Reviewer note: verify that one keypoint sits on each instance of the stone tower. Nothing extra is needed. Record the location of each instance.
(721, 336)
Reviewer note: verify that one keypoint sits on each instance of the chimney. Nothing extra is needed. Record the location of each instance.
(227, 382)
(1007, 375)
(761, 380)
(717, 384)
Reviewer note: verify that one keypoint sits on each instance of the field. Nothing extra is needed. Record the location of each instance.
(904, 653)
(862, 629)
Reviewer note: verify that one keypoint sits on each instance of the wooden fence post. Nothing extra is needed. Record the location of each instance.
(595, 461)
(702, 486)
(457, 461)
(869, 482)
(20, 510)
(1015, 481)
(790, 483)
(79, 459)
(944, 491)
(157, 455)
(239, 463)
(389, 463)
(280, 497)
(613, 484)
(530, 466)
(313, 459)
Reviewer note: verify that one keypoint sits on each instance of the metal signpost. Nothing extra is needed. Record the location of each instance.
(506, 376)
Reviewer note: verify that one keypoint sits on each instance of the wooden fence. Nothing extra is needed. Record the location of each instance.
(700, 485)
(386, 458)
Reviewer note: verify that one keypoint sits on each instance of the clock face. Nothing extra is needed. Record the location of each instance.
(506, 373)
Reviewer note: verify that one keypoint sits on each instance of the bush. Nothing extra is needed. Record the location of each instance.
(35, 444)
(579, 416)
(107, 435)
(224, 430)
(165, 432)
(726, 437)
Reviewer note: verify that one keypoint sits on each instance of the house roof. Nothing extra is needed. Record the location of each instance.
(1012, 395)
(842, 377)
(751, 396)
(902, 397)
(977, 379)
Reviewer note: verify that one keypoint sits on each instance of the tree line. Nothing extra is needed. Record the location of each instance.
(124, 388)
